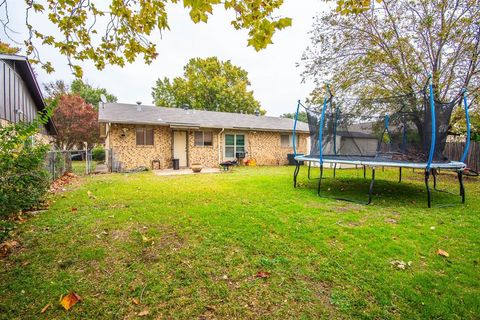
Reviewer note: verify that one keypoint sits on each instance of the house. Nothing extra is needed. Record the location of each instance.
(138, 135)
(20, 95)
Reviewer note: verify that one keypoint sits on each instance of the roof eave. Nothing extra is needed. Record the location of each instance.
(195, 126)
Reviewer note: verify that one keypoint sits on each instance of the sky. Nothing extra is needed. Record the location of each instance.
(275, 79)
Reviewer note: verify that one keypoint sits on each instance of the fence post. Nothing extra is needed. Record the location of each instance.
(86, 157)
(53, 166)
(111, 159)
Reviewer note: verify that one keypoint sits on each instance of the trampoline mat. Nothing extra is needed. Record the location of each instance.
(378, 161)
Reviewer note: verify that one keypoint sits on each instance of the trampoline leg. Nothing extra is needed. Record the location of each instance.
(427, 176)
(334, 170)
(371, 186)
(364, 172)
(462, 188)
(320, 180)
(309, 165)
(434, 174)
(399, 174)
(295, 174)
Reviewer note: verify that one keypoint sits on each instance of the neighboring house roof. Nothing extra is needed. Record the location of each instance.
(24, 69)
(356, 134)
(359, 130)
(176, 117)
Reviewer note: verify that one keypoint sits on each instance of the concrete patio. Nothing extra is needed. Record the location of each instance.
(183, 171)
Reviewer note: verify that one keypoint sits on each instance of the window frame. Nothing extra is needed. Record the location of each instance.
(290, 140)
(145, 129)
(203, 139)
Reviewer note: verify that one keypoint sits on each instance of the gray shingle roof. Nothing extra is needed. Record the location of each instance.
(128, 113)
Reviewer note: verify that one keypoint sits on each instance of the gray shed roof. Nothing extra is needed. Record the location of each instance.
(176, 117)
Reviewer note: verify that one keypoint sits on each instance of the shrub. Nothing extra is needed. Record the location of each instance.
(23, 178)
(98, 154)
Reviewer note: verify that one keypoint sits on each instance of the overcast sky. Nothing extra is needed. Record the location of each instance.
(275, 80)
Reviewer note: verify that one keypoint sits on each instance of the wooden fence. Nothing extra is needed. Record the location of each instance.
(454, 151)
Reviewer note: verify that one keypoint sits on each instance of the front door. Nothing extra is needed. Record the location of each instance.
(180, 147)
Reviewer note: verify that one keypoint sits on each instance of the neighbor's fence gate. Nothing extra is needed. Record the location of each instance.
(454, 150)
(79, 162)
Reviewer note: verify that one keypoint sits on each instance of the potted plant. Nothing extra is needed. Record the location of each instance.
(196, 167)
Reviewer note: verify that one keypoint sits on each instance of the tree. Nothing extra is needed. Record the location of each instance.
(6, 48)
(392, 49)
(208, 84)
(89, 93)
(76, 122)
(117, 32)
(53, 90)
(459, 123)
(302, 116)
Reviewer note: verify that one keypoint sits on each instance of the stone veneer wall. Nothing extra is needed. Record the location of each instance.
(207, 156)
(126, 151)
(265, 147)
(3, 122)
(38, 137)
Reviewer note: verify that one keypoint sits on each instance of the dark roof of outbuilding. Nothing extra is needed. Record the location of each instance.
(24, 69)
(176, 117)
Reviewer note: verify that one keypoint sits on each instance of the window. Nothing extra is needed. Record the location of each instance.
(203, 138)
(144, 136)
(234, 143)
(286, 140)
(103, 130)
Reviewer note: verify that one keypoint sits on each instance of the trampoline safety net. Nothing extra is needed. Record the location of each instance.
(396, 129)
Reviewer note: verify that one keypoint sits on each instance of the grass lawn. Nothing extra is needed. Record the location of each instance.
(191, 247)
(79, 167)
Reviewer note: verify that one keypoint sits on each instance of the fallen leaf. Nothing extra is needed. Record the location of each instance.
(262, 274)
(74, 209)
(135, 301)
(8, 246)
(144, 313)
(70, 300)
(442, 253)
(45, 308)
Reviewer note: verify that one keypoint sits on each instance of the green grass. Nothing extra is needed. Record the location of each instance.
(190, 247)
(79, 167)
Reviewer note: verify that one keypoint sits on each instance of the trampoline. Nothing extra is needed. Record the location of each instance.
(404, 131)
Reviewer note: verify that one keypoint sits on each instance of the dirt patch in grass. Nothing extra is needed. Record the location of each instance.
(391, 221)
(348, 208)
(120, 235)
(159, 239)
(323, 292)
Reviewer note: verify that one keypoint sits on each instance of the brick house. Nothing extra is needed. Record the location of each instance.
(20, 95)
(139, 135)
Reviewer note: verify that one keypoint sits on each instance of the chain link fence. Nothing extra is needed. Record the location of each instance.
(79, 162)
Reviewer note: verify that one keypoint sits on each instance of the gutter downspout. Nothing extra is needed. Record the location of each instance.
(219, 147)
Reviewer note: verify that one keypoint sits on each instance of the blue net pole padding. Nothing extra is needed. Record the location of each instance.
(320, 127)
(432, 114)
(467, 119)
(294, 137)
(337, 113)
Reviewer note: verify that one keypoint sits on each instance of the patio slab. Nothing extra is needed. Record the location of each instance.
(183, 171)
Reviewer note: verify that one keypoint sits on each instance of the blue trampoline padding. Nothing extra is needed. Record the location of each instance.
(382, 162)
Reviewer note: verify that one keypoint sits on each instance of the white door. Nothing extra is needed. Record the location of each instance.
(180, 147)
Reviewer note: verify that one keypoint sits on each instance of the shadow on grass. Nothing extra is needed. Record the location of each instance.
(387, 191)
